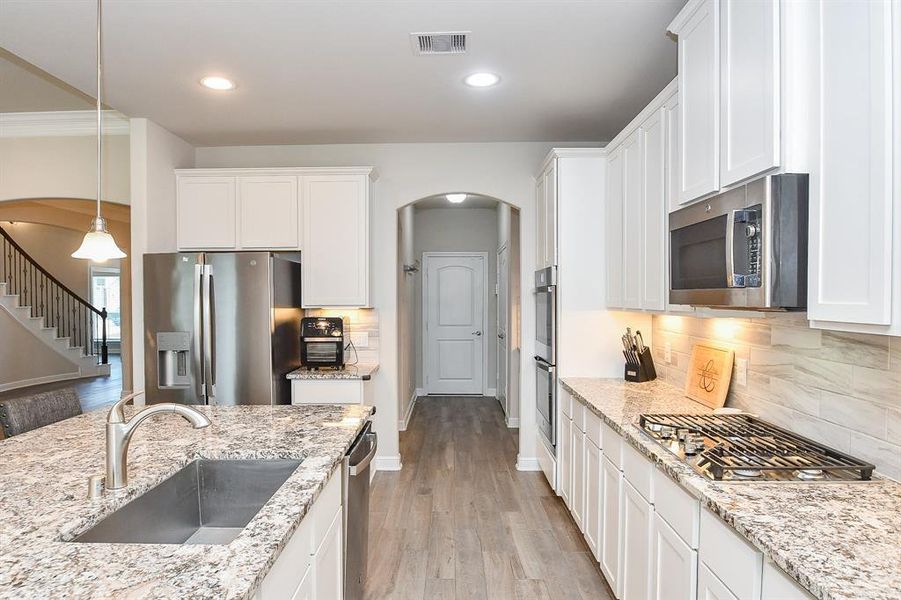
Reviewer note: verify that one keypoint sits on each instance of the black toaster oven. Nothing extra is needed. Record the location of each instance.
(322, 342)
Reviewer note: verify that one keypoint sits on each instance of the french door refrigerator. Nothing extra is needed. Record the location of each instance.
(221, 327)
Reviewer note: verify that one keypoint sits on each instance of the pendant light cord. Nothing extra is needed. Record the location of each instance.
(99, 104)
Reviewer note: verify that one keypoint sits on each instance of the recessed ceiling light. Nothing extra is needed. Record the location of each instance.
(455, 198)
(217, 83)
(481, 80)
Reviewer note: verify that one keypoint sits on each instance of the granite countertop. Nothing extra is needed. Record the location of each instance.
(840, 541)
(43, 495)
(361, 370)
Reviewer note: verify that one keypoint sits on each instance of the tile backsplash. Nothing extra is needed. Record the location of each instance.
(361, 320)
(841, 389)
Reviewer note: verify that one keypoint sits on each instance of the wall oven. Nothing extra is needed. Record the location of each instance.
(745, 248)
(545, 353)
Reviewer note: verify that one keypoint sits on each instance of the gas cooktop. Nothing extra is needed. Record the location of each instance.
(740, 447)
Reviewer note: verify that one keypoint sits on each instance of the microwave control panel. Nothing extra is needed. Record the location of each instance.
(747, 255)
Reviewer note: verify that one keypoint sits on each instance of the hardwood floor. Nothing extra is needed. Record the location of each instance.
(460, 522)
(94, 392)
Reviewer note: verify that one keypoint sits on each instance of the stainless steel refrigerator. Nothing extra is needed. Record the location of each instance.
(221, 327)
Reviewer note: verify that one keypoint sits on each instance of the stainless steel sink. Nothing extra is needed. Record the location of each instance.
(206, 502)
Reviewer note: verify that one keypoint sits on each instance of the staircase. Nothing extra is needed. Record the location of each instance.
(66, 323)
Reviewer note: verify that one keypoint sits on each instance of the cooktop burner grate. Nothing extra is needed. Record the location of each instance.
(742, 447)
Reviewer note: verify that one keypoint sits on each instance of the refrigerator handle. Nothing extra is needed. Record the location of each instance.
(209, 330)
(198, 331)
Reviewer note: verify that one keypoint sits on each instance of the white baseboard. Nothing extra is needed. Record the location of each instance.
(403, 423)
(527, 464)
(387, 463)
(421, 392)
(513, 422)
(491, 392)
(14, 385)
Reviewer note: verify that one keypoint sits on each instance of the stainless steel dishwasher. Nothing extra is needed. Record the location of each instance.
(356, 511)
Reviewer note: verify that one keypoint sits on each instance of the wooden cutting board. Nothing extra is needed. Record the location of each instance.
(709, 374)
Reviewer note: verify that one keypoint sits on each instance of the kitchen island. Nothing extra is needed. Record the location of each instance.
(837, 540)
(44, 501)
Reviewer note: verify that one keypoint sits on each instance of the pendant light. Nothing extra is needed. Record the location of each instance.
(98, 245)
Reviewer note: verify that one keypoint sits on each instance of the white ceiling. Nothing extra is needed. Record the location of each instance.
(338, 72)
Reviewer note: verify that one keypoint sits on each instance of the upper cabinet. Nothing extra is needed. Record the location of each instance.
(546, 217)
(322, 212)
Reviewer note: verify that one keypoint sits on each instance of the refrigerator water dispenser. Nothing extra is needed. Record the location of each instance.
(173, 348)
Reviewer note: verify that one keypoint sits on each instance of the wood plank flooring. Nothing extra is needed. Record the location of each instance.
(460, 522)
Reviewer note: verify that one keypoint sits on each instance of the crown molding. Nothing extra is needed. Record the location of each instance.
(61, 124)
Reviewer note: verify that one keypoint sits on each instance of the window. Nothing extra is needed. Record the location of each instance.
(105, 294)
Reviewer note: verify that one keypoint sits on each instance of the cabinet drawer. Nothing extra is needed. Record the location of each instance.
(566, 402)
(593, 427)
(639, 471)
(733, 560)
(612, 444)
(776, 584)
(306, 391)
(579, 411)
(710, 587)
(326, 507)
(677, 507)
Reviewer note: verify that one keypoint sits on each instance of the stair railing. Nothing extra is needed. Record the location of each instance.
(49, 298)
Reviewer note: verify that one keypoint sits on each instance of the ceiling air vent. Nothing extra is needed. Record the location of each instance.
(444, 42)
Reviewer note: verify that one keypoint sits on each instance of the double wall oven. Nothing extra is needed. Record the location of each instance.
(545, 353)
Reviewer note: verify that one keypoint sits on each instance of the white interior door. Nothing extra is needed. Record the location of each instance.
(454, 303)
(503, 282)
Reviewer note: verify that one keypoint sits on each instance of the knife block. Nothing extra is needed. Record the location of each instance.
(640, 371)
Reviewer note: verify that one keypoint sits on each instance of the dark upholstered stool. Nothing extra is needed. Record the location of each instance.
(18, 415)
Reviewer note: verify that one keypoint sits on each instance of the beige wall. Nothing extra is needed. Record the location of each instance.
(23, 357)
(840, 389)
(406, 290)
(63, 167)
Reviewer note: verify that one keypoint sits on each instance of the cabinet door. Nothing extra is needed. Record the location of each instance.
(653, 212)
(711, 588)
(577, 501)
(541, 222)
(305, 590)
(336, 241)
(675, 564)
(638, 545)
(328, 563)
(749, 89)
(632, 250)
(673, 160)
(611, 520)
(565, 460)
(205, 213)
(550, 218)
(699, 75)
(269, 213)
(592, 496)
(851, 190)
(613, 228)
(776, 584)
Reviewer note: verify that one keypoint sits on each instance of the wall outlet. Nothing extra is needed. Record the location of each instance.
(741, 371)
(360, 339)
(668, 353)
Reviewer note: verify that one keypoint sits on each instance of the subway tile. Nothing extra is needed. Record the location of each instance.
(894, 353)
(877, 384)
(893, 426)
(855, 414)
(886, 456)
(848, 348)
(796, 338)
(786, 393)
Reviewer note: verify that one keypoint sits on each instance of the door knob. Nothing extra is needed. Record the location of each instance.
(476, 333)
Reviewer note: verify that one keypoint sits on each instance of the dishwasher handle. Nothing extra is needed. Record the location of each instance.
(373, 439)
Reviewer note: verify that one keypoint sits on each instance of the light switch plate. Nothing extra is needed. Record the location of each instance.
(668, 353)
(741, 371)
(360, 339)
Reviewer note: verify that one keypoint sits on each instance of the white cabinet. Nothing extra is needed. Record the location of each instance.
(546, 217)
(331, 391)
(779, 586)
(653, 233)
(675, 564)
(611, 521)
(268, 208)
(328, 563)
(632, 184)
(671, 154)
(593, 491)
(305, 590)
(730, 557)
(577, 500)
(852, 189)
(205, 213)
(749, 89)
(637, 545)
(614, 199)
(711, 588)
(698, 30)
(541, 224)
(564, 460)
(336, 240)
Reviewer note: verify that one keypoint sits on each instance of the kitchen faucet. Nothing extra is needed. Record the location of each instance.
(119, 432)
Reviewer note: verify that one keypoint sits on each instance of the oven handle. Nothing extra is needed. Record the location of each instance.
(544, 365)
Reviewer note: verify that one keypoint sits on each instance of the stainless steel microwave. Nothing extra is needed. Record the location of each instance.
(745, 248)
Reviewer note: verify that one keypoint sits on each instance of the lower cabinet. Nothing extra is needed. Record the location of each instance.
(565, 460)
(638, 545)
(711, 588)
(331, 391)
(305, 589)
(577, 501)
(593, 489)
(675, 564)
(611, 520)
(328, 563)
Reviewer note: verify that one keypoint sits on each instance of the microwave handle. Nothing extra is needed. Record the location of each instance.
(733, 280)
